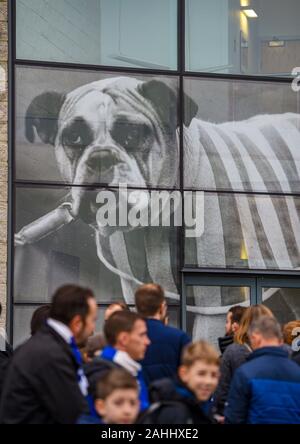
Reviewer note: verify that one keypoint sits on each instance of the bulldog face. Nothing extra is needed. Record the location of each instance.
(110, 132)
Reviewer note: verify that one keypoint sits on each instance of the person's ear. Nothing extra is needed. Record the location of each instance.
(183, 373)
(163, 309)
(100, 407)
(76, 325)
(123, 339)
(234, 327)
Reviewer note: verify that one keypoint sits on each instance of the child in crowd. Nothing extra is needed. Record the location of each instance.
(186, 400)
(117, 399)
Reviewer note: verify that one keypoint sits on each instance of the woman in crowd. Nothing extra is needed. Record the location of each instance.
(236, 354)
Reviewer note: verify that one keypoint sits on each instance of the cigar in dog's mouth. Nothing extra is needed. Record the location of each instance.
(45, 225)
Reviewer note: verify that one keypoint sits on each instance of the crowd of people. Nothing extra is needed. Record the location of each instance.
(140, 370)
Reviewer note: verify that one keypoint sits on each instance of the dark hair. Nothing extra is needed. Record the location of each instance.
(94, 344)
(114, 379)
(148, 299)
(69, 301)
(119, 322)
(237, 313)
(39, 318)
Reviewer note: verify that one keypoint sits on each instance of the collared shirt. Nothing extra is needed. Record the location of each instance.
(124, 360)
(61, 329)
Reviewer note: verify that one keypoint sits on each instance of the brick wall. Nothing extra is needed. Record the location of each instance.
(3, 155)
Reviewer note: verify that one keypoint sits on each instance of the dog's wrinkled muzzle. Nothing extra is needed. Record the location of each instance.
(107, 167)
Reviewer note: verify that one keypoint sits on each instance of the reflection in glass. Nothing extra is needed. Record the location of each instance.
(88, 127)
(244, 137)
(247, 231)
(23, 315)
(113, 260)
(134, 33)
(207, 307)
(284, 303)
(242, 37)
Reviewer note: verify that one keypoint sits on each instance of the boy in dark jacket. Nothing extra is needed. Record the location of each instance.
(266, 389)
(116, 399)
(186, 399)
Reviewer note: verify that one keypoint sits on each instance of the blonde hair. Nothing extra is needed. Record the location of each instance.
(200, 351)
(287, 331)
(251, 314)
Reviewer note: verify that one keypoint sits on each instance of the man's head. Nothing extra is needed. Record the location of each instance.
(115, 306)
(127, 331)
(233, 319)
(39, 318)
(199, 369)
(150, 301)
(117, 397)
(92, 347)
(76, 307)
(265, 332)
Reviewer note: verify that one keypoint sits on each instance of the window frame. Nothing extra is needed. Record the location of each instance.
(180, 73)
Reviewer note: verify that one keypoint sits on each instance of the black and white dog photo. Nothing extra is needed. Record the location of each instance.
(126, 130)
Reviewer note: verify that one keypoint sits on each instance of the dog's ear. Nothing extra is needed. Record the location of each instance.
(42, 114)
(165, 99)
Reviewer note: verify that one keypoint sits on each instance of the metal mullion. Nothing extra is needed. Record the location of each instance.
(224, 76)
(181, 230)
(92, 186)
(103, 68)
(11, 190)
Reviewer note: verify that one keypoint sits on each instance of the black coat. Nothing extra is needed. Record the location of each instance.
(234, 356)
(95, 369)
(5, 358)
(41, 385)
(173, 403)
(224, 342)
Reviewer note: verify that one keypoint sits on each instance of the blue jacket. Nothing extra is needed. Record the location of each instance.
(163, 354)
(265, 390)
(89, 419)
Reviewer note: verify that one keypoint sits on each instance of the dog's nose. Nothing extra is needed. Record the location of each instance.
(103, 160)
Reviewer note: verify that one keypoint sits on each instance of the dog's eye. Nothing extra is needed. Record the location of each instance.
(72, 139)
(131, 137)
(77, 136)
(75, 139)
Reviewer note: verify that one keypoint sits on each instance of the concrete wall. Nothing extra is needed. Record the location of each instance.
(3, 156)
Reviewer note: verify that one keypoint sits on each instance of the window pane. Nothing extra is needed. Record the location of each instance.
(245, 136)
(207, 308)
(112, 260)
(223, 37)
(23, 315)
(245, 231)
(134, 33)
(80, 127)
(284, 303)
(22, 318)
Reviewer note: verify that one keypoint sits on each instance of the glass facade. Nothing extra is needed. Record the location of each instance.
(242, 36)
(115, 96)
(130, 33)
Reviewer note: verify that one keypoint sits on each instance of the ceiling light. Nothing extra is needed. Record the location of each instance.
(250, 13)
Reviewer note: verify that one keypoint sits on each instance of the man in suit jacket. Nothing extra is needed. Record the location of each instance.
(163, 355)
(45, 383)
